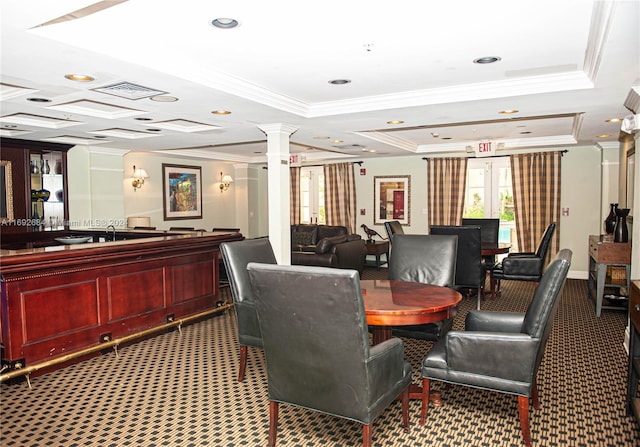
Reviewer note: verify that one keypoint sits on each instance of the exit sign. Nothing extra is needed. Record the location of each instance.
(485, 148)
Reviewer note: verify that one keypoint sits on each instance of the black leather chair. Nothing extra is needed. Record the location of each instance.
(316, 346)
(489, 230)
(182, 228)
(500, 351)
(523, 266)
(429, 259)
(393, 227)
(470, 270)
(236, 256)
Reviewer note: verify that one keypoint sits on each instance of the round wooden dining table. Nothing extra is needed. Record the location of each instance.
(492, 250)
(390, 303)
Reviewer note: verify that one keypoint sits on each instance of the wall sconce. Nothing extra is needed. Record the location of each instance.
(138, 178)
(225, 182)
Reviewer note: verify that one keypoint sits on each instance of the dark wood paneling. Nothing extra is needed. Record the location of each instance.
(135, 293)
(190, 281)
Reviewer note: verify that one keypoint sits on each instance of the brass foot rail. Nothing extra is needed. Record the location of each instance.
(110, 344)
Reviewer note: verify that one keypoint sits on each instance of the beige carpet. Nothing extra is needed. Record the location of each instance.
(179, 389)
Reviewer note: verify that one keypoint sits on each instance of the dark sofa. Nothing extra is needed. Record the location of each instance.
(327, 246)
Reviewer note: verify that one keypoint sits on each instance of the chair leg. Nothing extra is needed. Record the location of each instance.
(366, 435)
(273, 423)
(243, 363)
(523, 410)
(534, 396)
(426, 383)
(480, 291)
(405, 409)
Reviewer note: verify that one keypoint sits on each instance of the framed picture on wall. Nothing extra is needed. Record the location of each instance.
(391, 196)
(181, 192)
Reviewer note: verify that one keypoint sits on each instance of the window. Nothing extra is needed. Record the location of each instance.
(312, 195)
(489, 194)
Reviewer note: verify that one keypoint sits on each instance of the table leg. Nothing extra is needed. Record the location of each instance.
(602, 275)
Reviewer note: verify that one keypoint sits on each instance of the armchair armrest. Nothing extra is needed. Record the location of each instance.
(351, 254)
(521, 254)
(496, 354)
(522, 265)
(385, 364)
(493, 321)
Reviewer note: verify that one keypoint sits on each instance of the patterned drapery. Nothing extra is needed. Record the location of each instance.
(340, 195)
(446, 182)
(294, 195)
(536, 197)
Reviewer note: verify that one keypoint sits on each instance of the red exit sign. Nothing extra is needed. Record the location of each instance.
(485, 148)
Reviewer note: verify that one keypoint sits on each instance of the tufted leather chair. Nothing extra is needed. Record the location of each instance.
(316, 346)
(429, 259)
(500, 351)
(236, 256)
(523, 266)
(393, 227)
(470, 271)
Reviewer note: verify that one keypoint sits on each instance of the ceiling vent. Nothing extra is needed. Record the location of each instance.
(350, 146)
(128, 90)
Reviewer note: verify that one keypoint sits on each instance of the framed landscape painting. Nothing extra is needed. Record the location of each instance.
(181, 192)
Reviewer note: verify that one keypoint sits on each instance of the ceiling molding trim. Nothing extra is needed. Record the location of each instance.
(8, 91)
(210, 155)
(70, 139)
(601, 18)
(552, 83)
(555, 140)
(390, 139)
(107, 151)
(97, 109)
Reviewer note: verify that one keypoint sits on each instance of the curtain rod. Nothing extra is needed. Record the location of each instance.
(562, 152)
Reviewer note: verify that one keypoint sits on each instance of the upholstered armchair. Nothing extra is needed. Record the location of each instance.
(500, 351)
(393, 227)
(429, 259)
(470, 271)
(523, 266)
(236, 256)
(316, 346)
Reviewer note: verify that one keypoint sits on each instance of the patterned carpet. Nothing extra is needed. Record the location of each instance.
(179, 389)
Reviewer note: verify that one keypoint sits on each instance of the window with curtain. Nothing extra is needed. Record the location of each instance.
(340, 195)
(446, 178)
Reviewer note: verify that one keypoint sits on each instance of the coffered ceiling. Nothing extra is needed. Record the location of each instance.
(159, 70)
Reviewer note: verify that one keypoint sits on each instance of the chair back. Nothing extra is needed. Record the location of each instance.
(489, 229)
(393, 227)
(429, 259)
(236, 255)
(315, 336)
(545, 241)
(469, 268)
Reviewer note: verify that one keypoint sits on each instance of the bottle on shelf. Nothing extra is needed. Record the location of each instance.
(45, 167)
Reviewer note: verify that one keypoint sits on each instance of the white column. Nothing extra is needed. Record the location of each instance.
(278, 183)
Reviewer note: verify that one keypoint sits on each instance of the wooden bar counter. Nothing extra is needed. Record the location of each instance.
(65, 298)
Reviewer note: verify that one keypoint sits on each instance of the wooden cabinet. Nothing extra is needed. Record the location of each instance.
(633, 400)
(604, 253)
(27, 160)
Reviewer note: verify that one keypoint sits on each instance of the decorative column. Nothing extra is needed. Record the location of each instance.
(278, 183)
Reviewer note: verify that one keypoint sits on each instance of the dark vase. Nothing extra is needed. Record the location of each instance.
(610, 221)
(621, 232)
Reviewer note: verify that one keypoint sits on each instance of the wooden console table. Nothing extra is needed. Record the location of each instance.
(602, 254)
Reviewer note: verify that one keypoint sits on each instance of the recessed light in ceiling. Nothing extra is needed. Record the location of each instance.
(79, 77)
(321, 138)
(143, 118)
(614, 120)
(340, 81)
(38, 100)
(604, 135)
(395, 122)
(221, 112)
(486, 60)
(525, 132)
(508, 112)
(224, 23)
(163, 98)
(446, 138)
(336, 141)
(154, 130)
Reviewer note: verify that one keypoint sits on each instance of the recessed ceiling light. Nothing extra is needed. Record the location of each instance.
(224, 22)
(395, 122)
(221, 112)
(486, 60)
(508, 111)
(336, 141)
(154, 130)
(446, 138)
(143, 118)
(604, 135)
(321, 138)
(163, 98)
(79, 77)
(9, 126)
(38, 100)
(340, 81)
(614, 120)
(524, 132)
